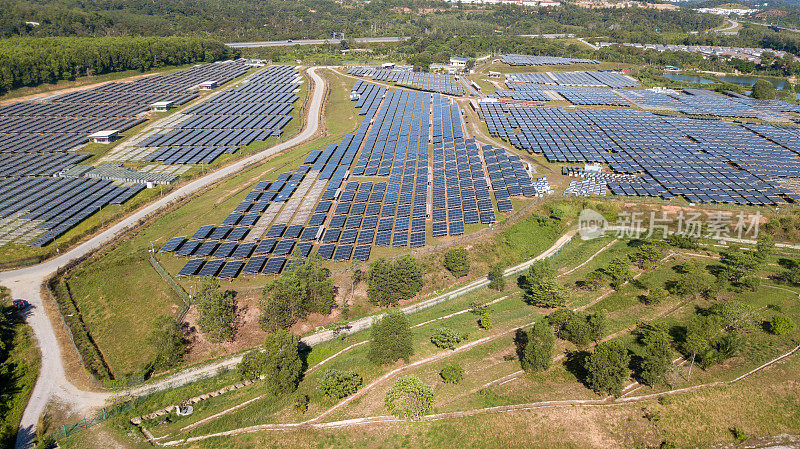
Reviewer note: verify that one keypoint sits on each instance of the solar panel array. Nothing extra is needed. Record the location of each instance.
(38, 140)
(701, 160)
(575, 95)
(252, 111)
(268, 232)
(428, 82)
(592, 78)
(517, 60)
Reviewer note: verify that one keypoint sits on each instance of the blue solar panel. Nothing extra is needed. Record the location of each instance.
(283, 247)
(274, 265)
(191, 268)
(362, 252)
(173, 244)
(383, 238)
(265, 247)
(326, 251)
(231, 269)
(456, 227)
(211, 268)
(254, 264)
(400, 238)
(343, 252)
(417, 239)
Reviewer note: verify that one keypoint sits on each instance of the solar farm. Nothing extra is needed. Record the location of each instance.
(44, 191)
(528, 60)
(407, 175)
(428, 82)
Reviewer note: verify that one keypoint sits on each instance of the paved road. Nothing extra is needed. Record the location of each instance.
(26, 283)
(289, 43)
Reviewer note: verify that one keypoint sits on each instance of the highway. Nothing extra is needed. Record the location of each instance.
(290, 42)
(26, 283)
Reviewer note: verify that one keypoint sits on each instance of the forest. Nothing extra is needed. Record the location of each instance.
(34, 61)
(272, 19)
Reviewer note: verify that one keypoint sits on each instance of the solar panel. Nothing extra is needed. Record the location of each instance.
(206, 248)
(203, 232)
(362, 252)
(456, 228)
(303, 249)
(191, 268)
(274, 265)
(254, 264)
(400, 238)
(348, 236)
(326, 251)
(188, 248)
(293, 231)
(283, 247)
(383, 238)
(439, 228)
(331, 235)
(173, 244)
(343, 252)
(231, 269)
(276, 230)
(417, 239)
(265, 247)
(211, 268)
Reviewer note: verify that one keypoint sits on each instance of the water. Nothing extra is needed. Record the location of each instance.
(742, 80)
(750, 81)
(687, 78)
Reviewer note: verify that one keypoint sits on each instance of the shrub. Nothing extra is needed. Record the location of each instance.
(578, 327)
(409, 398)
(538, 352)
(456, 261)
(167, 338)
(390, 282)
(444, 337)
(781, 324)
(296, 293)
(339, 384)
(496, 279)
(391, 339)
(278, 360)
(485, 321)
(655, 296)
(452, 374)
(607, 368)
(217, 310)
(301, 402)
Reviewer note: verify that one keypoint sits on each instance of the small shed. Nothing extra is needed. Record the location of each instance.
(161, 106)
(208, 85)
(106, 136)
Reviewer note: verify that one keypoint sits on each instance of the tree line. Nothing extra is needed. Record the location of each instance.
(35, 61)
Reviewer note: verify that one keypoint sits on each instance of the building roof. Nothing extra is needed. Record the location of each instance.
(458, 59)
(104, 134)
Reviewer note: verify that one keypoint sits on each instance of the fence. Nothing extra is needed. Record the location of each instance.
(187, 300)
(104, 415)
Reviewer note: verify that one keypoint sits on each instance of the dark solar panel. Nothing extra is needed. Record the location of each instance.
(362, 252)
(231, 269)
(326, 251)
(383, 238)
(254, 264)
(283, 247)
(211, 268)
(173, 244)
(417, 239)
(274, 265)
(264, 247)
(343, 252)
(400, 238)
(191, 268)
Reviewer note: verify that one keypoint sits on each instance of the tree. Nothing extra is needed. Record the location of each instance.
(656, 357)
(578, 327)
(217, 310)
(497, 280)
(647, 254)
(167, 338)
(391, 339)
(338, 384)
(283, 367)
(692, 281)
(452, 374)
(456, 261)
(444, 337)
(738, 264)
(763, 90)
(409, 398)
(765, 246)
(538, 352)
(655, 296)
(390, 282)
(607, 368)
(780, 324)
(618, 271)
(540, 287)
(296, 293)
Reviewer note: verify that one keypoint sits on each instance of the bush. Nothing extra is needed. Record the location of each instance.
(452, 374)
(296, 293)
(618, 272)
(538, 351)
(391, 339)
(655, 296)
(444, 337)
(781, 324)
(540, 287)
(167, 338)
(391, 282)
(496, 279)
(485, 321)
(301, 403)
(456, 261)
(409, 398)
(217, 310)
(578, 327)
(278, 360)
(338, 384)
(607, 368)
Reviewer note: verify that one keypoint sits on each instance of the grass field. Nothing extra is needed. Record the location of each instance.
(749, 405)
(19, 368)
